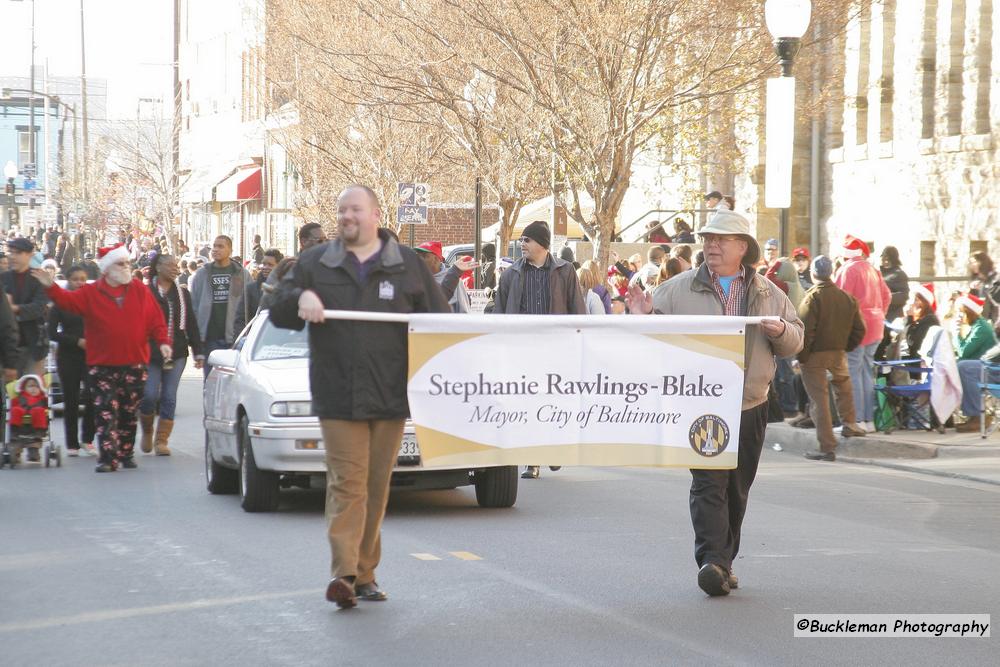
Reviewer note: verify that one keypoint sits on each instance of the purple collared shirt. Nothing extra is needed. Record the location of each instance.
(365, 267)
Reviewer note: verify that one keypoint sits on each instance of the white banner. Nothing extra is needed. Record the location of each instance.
(586, 390)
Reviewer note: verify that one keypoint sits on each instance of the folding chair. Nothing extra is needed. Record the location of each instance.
(989, 386)
(910, 403)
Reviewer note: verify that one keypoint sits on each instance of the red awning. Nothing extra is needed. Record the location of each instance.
(243, 185)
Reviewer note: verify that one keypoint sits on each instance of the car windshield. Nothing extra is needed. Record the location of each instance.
(275, 343)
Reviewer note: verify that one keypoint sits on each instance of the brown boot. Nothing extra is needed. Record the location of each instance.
(163, 429)
(146, 444)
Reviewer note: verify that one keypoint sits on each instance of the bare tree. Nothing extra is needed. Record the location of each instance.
(140, 165)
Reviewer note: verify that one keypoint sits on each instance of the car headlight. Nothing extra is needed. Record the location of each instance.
(292, 409)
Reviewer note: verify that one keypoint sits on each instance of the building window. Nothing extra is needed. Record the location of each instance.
(978, 246)
(23, 149)
(956, 67)
(927, 68)
(864, 73)
(980, 46)
(927, 256)
(888, 62)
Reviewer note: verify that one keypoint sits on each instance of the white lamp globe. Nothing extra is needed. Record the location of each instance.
(10, 169)
(787, 18)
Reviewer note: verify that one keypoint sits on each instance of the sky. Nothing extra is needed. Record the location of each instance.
(129, 43)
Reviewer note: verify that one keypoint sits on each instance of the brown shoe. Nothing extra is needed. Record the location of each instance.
(972, 425)
(341, 591)
(734, 581)
(146, 422)
(851, 431)
(371, 592)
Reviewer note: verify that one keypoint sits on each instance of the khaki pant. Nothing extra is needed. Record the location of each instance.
(360, 456)
(815, 382)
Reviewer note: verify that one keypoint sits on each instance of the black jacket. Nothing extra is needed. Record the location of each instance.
(182, 338)
(66, 328)
(247, 306)
(33, 302)
(8, 336)
(358, 370)
(899, 287)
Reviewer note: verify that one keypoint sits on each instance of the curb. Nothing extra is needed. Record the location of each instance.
(918, 469)
(802, 439)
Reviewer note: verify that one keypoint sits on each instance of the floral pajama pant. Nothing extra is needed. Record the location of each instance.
(117, 391)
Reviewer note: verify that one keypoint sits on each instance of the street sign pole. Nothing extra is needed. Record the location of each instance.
(478, 241)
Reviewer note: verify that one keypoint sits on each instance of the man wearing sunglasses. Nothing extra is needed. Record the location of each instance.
(539, 284)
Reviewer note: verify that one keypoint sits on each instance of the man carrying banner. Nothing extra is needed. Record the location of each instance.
(728, 285)
(539, 284)
(357, 371)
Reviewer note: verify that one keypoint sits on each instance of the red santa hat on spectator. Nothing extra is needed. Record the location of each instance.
(855, 247)
(926, 292)
(972, 302)
(108, 257)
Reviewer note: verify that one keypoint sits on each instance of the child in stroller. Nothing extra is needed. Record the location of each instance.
(29, 416)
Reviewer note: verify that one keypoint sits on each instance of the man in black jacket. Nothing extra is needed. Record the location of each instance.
(29, 303)
(358, 372)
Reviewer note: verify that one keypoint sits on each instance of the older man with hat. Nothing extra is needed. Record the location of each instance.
(29, 304)
(726, 284)
(120, 317)
(449, 278)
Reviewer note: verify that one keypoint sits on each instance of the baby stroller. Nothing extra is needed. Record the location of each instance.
(27, 434)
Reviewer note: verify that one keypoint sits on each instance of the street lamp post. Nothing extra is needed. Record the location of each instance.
(787, 21)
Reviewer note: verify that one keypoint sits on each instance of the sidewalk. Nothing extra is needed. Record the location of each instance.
(958, 455)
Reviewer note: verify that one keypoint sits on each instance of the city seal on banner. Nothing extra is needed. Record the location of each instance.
(709, 435)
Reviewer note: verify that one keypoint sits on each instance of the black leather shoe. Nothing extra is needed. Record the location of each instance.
(371, 592)
(713, 580)
(341, 591)
(554, 468)
(104, 467)
(816, 455)
(129, 464)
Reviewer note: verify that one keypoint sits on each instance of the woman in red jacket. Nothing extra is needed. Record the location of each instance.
(120, 317)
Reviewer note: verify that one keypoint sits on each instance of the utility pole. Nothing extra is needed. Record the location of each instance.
(83, 96)
(175, 136)
(31, 95)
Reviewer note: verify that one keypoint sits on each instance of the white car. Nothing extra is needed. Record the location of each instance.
(261, 434)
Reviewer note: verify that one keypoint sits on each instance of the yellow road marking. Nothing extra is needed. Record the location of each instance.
(425, 556)
(465, 555)
(119, 614)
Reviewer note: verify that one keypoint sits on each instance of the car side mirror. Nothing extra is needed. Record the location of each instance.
(223, 358)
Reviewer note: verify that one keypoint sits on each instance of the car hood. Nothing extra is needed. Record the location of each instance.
(285, 376)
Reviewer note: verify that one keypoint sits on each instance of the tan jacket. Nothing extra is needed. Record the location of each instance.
(691, 293)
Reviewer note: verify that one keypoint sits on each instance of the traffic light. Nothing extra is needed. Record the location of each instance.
(15, 216)
(10, 187)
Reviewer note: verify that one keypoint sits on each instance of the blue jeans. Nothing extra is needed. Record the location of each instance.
(161, 386)
(970, 371)
(784, 384)
(860, 366)
(211, 346)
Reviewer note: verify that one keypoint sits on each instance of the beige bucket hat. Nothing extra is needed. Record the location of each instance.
(725, 223)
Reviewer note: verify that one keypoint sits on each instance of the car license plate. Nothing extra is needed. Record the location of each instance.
(409, 449)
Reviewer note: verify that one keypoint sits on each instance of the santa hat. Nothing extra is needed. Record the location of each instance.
(972, 302)
(926, 292)
(855, 247)
(108, 257)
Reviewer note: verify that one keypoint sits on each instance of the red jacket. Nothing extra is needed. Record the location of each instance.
(116, 335)
(36, 406)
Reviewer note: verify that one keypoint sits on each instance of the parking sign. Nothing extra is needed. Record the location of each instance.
(413, 198)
